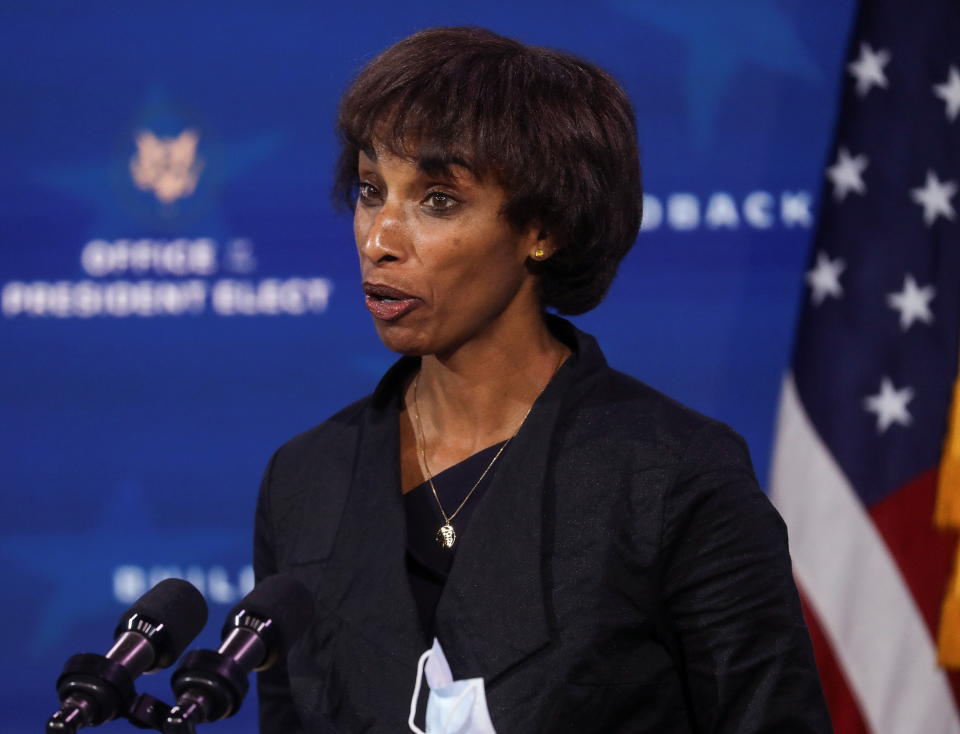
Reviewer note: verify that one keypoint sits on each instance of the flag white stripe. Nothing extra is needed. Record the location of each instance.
(850, 578)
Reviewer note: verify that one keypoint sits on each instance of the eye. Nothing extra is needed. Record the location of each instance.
(367, 193)
(440, 201)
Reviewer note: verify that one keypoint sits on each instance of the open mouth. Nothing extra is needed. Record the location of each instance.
(388, 304)
(385, 293)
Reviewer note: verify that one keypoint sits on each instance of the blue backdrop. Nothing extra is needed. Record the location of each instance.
(179, 297)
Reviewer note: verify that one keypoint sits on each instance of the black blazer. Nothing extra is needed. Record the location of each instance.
(623, 572)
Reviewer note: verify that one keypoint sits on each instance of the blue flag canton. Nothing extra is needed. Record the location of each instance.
(879, 338)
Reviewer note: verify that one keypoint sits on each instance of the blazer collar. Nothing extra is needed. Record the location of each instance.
(494, 609)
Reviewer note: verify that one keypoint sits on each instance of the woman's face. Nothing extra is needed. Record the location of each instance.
(440, 264)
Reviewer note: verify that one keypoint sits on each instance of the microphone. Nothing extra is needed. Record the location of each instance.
(150, 635)
(209, 685)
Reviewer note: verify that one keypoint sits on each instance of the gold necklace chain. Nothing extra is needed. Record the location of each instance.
(446, 535)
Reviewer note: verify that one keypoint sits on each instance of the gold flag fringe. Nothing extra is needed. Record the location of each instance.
(947, 517)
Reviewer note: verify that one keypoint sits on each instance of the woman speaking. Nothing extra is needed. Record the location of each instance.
(579, 552)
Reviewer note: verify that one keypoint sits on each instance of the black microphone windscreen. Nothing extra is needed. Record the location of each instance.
(285, 601)
(178, 605)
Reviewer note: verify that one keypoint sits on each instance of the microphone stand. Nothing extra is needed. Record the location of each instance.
(209, 686)
(91, 684)
(94, 689)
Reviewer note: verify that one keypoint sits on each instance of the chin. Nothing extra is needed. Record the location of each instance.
(405, 341)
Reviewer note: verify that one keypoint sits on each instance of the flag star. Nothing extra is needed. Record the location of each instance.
(868, 68)
(890, 405)
(934, 196)
(824, 278)
(949, 92)
(912, 302)
(847, 174)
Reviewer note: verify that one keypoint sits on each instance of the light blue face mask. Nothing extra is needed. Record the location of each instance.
(453, 706)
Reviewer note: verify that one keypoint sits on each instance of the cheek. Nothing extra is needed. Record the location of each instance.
(484, 274)
(360, 228)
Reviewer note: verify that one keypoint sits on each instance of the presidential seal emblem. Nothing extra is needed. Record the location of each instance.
(169, 167)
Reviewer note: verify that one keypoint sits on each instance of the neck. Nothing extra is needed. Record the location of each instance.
(479, 394)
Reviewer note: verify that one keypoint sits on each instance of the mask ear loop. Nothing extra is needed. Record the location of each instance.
(416, 693)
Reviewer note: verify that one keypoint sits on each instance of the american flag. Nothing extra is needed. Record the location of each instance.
(868, 449)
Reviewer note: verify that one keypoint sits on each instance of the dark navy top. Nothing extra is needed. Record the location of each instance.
(428, 563)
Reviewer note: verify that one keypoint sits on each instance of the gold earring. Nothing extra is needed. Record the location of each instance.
(538, 253)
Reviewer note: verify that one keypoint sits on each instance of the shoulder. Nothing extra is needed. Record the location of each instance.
(603, 403)
(628, 412)
(333, 442)
(680, 466)
(321, 457)
(304, 489)
(709, 495)
(330, 440)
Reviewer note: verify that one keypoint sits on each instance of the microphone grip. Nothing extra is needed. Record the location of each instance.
(209, 686)
(134, 652)
(246, 647)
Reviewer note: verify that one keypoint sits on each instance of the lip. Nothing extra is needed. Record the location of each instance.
(387, 303)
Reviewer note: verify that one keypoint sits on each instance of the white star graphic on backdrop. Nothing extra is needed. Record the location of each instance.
(949, 92)
(890, 405)
(824, 278)
(912, 302)
(934, 196)
(868, 68)
(847, 174)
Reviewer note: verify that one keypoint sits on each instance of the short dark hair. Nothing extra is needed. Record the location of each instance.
(555, 131)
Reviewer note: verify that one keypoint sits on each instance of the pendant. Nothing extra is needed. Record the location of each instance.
(446, 536)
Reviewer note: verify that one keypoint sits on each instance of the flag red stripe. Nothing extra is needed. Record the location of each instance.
(923, 554)
(844, 709)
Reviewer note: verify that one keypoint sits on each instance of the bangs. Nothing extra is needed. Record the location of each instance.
(458, 114)
(429, 155)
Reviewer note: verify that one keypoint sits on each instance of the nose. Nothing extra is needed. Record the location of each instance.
(383, 239)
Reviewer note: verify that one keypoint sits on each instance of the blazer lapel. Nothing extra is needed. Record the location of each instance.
(493, 611)
(367, 575)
